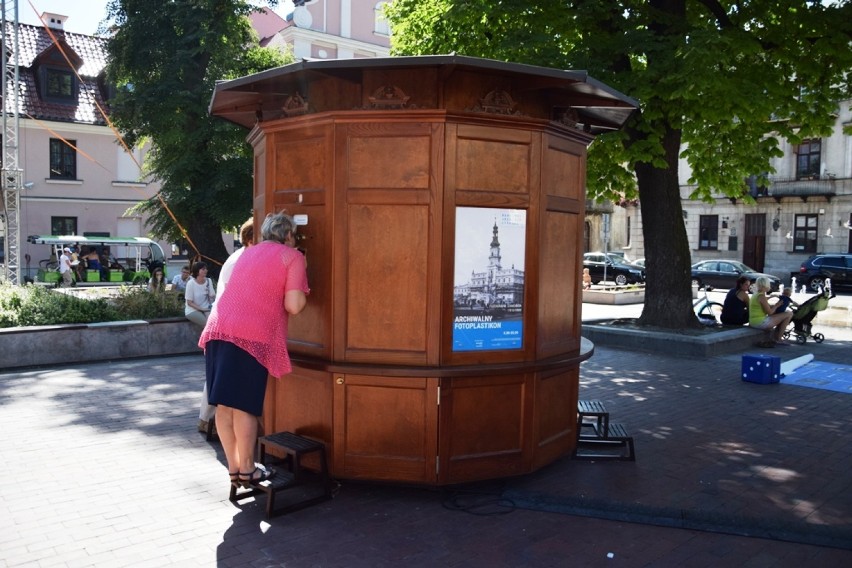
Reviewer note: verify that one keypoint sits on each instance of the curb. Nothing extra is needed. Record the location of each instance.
(708, 345)
(740, 525)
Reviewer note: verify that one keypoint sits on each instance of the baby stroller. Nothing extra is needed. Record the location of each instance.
(804, 315)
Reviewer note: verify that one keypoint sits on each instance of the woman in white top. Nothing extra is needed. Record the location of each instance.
(206, 411)
(199, 295)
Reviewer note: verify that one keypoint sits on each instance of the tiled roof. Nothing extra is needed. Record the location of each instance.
(34, 41)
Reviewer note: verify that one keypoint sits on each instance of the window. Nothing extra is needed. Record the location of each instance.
(180, 248)
(756, 188)
(807, 159)
(835, 262)
(708, 232)
(805, 235)
(63, 159)
(381, 23)
(60, 85)
(63, 225)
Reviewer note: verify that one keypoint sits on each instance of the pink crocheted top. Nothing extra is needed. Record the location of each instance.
(250, 312)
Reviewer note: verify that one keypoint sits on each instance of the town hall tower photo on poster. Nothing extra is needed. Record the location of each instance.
(488, 291)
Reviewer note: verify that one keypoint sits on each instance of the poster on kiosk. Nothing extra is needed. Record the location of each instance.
(488, 291)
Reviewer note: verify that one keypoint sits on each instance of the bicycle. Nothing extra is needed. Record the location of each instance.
(707, 311)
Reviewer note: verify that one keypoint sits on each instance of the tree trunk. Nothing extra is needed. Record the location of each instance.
(668, 288)
(207, 237)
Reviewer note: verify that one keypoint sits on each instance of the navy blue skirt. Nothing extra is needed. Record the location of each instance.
(234, 377)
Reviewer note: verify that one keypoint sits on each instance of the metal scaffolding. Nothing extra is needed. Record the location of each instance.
(12, 181)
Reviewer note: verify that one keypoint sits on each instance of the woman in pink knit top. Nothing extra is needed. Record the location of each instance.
(245, 340)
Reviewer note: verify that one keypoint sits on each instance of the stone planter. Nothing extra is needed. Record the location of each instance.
(78, 343)
(614, 296)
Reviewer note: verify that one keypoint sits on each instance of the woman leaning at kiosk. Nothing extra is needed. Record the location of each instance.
(245, 340)
(763, 315)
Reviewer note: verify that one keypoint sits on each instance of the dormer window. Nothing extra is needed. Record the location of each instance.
(54, 73)
(60, 86)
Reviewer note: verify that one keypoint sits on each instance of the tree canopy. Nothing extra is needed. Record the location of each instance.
(719, 82)
(165, 57)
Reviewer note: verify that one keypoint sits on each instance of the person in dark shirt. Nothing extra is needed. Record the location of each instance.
(735, 308)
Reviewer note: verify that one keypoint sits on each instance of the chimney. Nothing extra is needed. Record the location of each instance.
(54, 21)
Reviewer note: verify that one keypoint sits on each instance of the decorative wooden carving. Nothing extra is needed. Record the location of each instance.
(295, 105)
(497, 101)
(570, 118)
(389, 97)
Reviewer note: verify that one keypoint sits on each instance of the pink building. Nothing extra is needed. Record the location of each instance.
(328, 29)
(77, 178)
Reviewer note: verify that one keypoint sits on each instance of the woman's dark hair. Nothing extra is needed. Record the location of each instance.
(196, 268)
(742, 279)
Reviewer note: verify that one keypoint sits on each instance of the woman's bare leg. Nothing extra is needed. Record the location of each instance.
(781, 322)
(225, 428)
(245, 433)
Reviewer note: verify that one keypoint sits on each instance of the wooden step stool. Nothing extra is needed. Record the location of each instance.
(615, 445)
(595, 410)
(305, 487)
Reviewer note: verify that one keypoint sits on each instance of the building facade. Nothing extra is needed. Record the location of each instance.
(328, 29)
(804, 209)
(78, 178)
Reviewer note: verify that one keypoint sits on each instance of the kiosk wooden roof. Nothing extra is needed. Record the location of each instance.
(595, 107)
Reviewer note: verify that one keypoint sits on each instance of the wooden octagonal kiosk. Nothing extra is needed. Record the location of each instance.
(441, 203)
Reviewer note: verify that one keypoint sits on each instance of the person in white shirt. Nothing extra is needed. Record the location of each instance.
(65, 267)
(180, 280)
(199, 295)
(246, 240)
(207, 412)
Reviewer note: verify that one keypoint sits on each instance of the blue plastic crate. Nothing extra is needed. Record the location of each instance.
(761, 369)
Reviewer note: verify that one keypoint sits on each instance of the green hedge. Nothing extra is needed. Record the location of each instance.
(36, 305)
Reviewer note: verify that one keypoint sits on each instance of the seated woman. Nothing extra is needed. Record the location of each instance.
(766, 316)
(157, 283)
(735, 308)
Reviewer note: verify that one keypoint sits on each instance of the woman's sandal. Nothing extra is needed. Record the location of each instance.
(235, 478)
(249, 479)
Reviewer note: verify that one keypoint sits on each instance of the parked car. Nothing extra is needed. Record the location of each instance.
(639, 262)
(816, 269)
(622, 256)
(724, 273)
(617, 270)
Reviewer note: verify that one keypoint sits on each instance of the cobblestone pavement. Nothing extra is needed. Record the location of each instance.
(104, 468)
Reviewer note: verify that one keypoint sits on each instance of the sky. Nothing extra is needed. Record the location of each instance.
(84, 15)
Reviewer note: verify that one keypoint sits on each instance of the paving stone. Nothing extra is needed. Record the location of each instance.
(117, 476)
